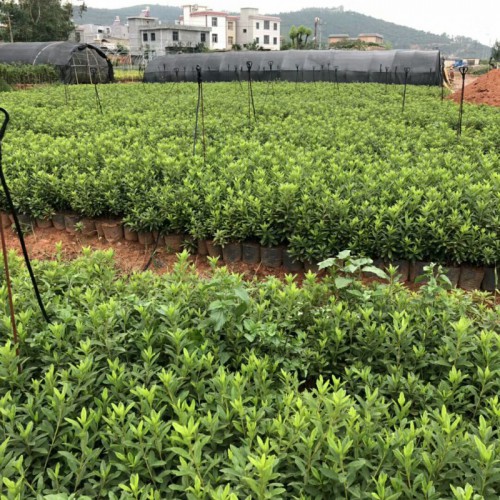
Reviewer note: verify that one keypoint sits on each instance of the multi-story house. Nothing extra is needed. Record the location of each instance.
(248, 28)
(261, 30)
(196, 15)
(150, 38)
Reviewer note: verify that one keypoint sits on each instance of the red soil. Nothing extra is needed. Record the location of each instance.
(483, 90)
(129, 256)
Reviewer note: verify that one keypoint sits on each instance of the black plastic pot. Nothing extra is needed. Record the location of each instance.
(291, 264)
(88, 227)
(311, 267)
(491, 281)
(174, 242)
(202, 248)
(130, 235)
(43, 223)
(251, 253)
(145, 238)
(70, 220)
(453, 274)
(232, 252)
(113, 231)
(381, 264)
(403, 267)
(471, 277)
(271, 256)
(58, 221)
(213, 249)
(417, 269)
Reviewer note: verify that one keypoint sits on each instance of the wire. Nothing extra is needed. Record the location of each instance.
(17, 224)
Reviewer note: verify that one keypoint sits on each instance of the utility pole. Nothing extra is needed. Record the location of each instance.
(316, 24)
(10, 29)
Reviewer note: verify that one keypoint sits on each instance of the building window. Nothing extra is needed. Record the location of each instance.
(244, 30)
(230, 25)
(214, 21)
(175, 36)
(266, 25)
(275, 26)
(257, 25)
(266, 39)
(144, 37)
(78, 36)
(153, 37)
(257, 40)
(215, 38)
(230, 40)
(275, 41)
(203, 37)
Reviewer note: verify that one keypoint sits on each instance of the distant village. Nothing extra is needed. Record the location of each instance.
(197, 28)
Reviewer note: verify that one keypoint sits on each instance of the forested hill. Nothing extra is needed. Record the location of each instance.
(333, 21)
(400, 37)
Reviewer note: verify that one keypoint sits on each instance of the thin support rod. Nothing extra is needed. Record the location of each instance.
(463, 71)
(9, 290)
(17, 224)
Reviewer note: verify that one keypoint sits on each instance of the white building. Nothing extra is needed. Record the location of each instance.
(196, 15)
(263, 30)
(227, 30)
(150, 38)
(109, 37)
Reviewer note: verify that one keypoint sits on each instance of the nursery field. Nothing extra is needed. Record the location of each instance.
(321, 169)
(181, 387)
(222, 387)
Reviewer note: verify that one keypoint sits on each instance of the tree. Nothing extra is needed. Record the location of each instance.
(293, 35)
(36, 20)
(495, 52)
(302, 35)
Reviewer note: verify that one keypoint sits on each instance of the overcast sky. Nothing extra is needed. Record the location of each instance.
(479, 19)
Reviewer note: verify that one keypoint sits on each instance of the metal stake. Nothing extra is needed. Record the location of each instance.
(463, 71)
(407, 72)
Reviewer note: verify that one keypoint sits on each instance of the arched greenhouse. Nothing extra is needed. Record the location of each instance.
(344, 66)
(76, 63)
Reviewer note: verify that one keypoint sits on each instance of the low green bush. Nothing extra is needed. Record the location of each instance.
(215, 388)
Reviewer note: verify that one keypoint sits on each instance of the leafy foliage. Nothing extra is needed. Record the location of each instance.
(322, 170)
(183, 387)
(27, 73)
(36, 20)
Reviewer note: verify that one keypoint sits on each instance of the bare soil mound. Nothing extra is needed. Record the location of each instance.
(484, 90)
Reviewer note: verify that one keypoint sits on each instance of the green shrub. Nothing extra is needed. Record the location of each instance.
(184, 387)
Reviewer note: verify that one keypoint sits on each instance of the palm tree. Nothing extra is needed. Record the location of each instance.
(293, 34)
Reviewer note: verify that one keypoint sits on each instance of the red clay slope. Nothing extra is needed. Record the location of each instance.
(484, 90)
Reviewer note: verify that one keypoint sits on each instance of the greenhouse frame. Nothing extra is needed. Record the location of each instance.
(76, 63)
(343, 66)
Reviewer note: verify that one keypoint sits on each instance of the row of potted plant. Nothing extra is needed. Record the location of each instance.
(466, 276)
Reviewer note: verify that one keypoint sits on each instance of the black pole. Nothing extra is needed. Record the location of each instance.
(442, 79)
(251, 103)
(337, 78)
(17, 224)
(93, 72)
(407, 72)
(387, 75)
(463, 71)
(297, 77)
(199, 106)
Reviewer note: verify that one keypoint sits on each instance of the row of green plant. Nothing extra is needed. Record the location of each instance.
(28, 74)
(323, 168)
(216, 388)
